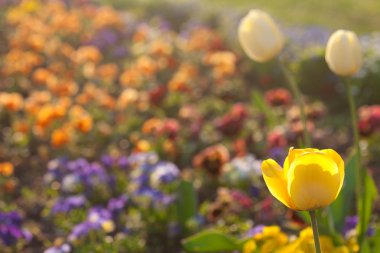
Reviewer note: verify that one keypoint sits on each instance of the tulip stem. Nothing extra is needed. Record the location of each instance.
(297, 93)
(358, 172)
(314, 225)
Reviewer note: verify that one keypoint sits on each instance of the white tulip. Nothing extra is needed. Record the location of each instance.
(259, 36)
(343, 53)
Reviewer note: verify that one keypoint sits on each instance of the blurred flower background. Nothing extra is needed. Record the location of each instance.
(140, 126)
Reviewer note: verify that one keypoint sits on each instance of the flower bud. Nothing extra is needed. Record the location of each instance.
(259, 36)
(343, 53)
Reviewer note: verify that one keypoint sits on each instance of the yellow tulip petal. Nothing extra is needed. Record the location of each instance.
(339, 161)
(293, 153)
(274, 179)
(313, 181)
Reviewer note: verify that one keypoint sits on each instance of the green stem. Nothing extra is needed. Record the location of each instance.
(297, 93)
(314, 225)
(358, 172)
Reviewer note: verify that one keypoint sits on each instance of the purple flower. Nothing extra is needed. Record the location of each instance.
(115, 205)
(254, 231)
(64, 248)
(67, 204)
(96, 218)
(350, 223)
(164, 173)
(123, 162)
(11, 228)
(107, 160)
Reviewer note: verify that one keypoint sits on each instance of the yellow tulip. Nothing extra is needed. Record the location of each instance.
(259, 36)
(310, 179)
(343, 53)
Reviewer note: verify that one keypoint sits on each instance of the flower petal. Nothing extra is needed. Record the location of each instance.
(314, 181)
(274, 179)
(339, 161)
(294, 153)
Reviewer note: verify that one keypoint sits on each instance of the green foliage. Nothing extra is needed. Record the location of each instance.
(365, 209)
(344, 203)
(186, 203)
(211, 241)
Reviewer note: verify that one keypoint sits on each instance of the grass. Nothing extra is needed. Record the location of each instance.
(361, 16)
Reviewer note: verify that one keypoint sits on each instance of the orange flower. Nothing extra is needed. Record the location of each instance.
(142, 146)
(60, 137)
(146, 65)
(21, 126)
(86, 54)
(6, 169)
(20, 62)
(41, 76)
(107, 72)
(11, 101)
(36, 42)
(212, 159)
(105, 100)
(223, 63)
(84, 124)
(141, 34)
(10, 185)
(105, 17)
(127, 97)
(81, 120)
(131, 78)
(202, 39)
(160, 48)
(63, 88)
(45, 116)
(152, 125)
(180, 80)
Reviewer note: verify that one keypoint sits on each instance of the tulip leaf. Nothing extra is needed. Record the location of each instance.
(211, 241)
(365, 207)
(186, 202)
(376, 241)
(259, 102)
(342, 205)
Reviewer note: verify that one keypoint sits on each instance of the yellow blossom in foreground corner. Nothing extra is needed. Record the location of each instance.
(270, 239)
(343, 53)
(311, 178)
(249, 247)
(305, 244)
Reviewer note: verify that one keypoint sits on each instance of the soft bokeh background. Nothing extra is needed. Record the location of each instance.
(141, 125)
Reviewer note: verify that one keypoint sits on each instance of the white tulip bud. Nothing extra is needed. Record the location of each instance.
(259, 36)
(343, 53)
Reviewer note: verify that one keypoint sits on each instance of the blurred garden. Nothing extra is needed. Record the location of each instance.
(189, 126)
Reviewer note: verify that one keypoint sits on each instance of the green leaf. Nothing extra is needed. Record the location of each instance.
(211, 241)
(342, 205)
(376, 241)
(365, 209)
(259, 102)
(365, 248)
(304, 215)
(186, 203)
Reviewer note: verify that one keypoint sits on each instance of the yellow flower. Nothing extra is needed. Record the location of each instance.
(270, 239)
(108, 226)
(305, 244)
(249, 247)
(310, 179)
(259, 36)
(343, 53)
